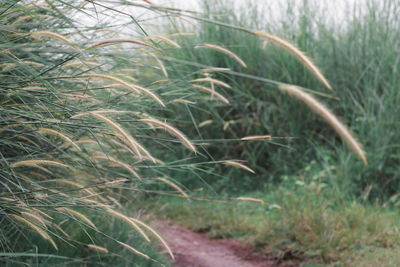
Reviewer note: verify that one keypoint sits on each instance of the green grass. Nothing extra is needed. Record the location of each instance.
(359, 56)
(40, 93)
(55, 153)
(307, 224)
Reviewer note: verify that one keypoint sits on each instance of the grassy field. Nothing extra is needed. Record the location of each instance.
(287, 127)
(302, 225)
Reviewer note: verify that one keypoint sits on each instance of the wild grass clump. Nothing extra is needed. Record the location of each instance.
(356, 56)
(79, 105)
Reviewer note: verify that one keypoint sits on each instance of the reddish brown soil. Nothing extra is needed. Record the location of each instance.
(197, 250)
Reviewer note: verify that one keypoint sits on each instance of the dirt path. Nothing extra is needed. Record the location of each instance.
(197, 250)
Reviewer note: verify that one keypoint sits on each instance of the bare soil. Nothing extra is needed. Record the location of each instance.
(193, 249)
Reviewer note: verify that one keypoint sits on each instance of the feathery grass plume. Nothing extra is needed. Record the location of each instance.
(27, 139)
(204, 123)
(256, 138)
(118, 41)
(8, 66)
(328, 116)
(127, 138)
(133, 87)
(119, 163)
(40, 212)
(39, 175)
(301, 56)
(55, 36)
(206, 70)
(212, 92)
(128, 149)
(173, 131)
(60, 230)
(79, 97)
(116, 182)
(34, 227)
(163, 38)
(250, 199)
(213, 81)
(35, 162)
(133, 250)
(60, 135)
(32, 63)
(224, 51)
(97, 248)
(34, 217)
(163, 242)
(160, 63)
(40, 196)
(128, 221)
(173, 185)
(33, 88)
(102, 112)
(184, 101)
(113, 79)
(238, 165)
(77, 215)
(159, 81)
(81, 63)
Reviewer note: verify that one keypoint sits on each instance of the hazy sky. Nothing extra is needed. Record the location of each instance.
(337, 8)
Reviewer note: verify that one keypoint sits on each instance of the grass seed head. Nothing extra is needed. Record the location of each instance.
(173, 131)
(238, 165)
(329, 117)
(224, 51)
(301, 56)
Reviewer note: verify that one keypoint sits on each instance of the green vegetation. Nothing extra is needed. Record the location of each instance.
(358, 55)
(90, 97)
(356, 218)
(300, 224)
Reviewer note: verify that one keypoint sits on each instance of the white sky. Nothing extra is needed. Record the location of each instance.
(337, 9)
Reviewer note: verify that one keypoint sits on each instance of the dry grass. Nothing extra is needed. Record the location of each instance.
(78, 215)
(120, 164)
(133, 87)
(160, 63)
(173, 185)
(329, 117)
(60, 135)
(35, 228)
(251, 199)
(212, 92)
(238, 165)
(164, 39)
(256, 138)
(301, 56)
(162, 241)
(134, 251)
(36, 162)
(212, 81)
(224, 51)
(129, 222)
(98, 248)
(118, 41)
(172, 130)
(54, 36)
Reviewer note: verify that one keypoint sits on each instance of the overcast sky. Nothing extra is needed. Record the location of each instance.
(337, 8)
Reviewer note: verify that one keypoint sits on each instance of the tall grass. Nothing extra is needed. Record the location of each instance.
(359, 57)
(78, 109)
(82, 103)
